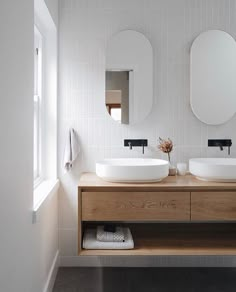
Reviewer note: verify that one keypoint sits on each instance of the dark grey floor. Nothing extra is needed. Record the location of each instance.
(145, 280)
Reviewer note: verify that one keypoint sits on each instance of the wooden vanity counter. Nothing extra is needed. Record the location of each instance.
(177, 216)
(172, 183)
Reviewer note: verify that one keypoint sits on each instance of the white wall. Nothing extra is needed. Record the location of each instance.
(26, 250)
(17, 252)
(46, 244)
(171, 26)
(53, 9)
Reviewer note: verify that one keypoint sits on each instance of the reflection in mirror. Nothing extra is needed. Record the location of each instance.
(117, 95)
(212, 76)
(129, 77)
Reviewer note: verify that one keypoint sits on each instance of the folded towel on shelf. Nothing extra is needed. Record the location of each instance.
(72, 149)
(117, 236)
(90, 241)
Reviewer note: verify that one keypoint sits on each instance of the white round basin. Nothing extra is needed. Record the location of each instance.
(214, 169)
(132, 170)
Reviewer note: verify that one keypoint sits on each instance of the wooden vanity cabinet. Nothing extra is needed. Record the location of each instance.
(178, 216)
(213, 206)
(135, 206)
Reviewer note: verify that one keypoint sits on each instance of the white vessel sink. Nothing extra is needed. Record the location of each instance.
(214, 169)
(130, 170)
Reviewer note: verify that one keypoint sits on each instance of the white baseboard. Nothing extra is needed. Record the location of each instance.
(52, 274)
(148, 261)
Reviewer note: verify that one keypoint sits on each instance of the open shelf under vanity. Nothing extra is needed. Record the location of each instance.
(175, 239)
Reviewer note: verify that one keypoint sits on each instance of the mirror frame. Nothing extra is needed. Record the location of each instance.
(212, 77)
(129, 50)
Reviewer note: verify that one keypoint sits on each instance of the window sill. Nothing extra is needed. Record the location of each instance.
(42, 192)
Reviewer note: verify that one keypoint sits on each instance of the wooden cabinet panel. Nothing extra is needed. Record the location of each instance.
(135, 206)
(215, 206)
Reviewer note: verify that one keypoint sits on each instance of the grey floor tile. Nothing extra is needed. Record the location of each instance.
(145, 280)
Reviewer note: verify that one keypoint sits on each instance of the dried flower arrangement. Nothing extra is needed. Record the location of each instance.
(166, 146)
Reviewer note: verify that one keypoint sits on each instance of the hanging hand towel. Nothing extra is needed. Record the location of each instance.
(72, 149)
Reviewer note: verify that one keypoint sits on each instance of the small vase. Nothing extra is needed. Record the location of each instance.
(172, 169)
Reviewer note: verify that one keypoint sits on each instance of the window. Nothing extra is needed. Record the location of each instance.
(45, 104)
(118, 99)
(115, 111)
(37, 105)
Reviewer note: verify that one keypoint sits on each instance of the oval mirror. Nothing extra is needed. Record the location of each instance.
(213, 77)
(129, 77)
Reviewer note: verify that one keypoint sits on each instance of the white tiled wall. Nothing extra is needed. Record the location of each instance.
(171, 26)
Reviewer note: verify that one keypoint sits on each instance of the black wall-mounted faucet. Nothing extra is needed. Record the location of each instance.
(136, 143)
(220, 143)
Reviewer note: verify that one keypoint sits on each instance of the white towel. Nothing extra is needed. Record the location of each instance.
(90, 241)
(72, 149)
(117, 236)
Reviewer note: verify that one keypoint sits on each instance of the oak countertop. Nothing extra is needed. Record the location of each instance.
(90, 181)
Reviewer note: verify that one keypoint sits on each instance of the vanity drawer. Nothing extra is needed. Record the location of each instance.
(135, 206)
(215, 206)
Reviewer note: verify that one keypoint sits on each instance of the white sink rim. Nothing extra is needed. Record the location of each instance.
(132, 170)
(213, 169)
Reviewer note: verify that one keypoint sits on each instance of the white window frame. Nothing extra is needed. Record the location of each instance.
(38, 75)
(46, 104)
